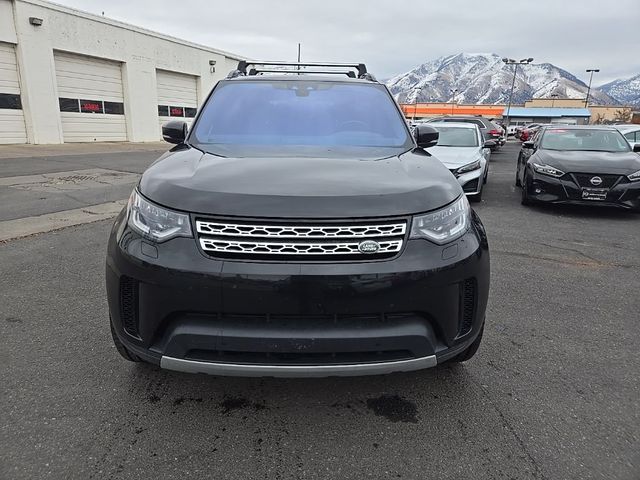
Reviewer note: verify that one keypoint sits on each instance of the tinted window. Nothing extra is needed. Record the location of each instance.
(114, 108)
(586, 140)
(282, 112)
(457, 137)
(10, 101)
(69, 104)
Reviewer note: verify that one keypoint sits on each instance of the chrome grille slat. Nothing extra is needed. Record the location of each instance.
(300, 231)
(293, 248)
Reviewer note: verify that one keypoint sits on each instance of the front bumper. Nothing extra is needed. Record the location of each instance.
(623, 194)
(173, 306)
(471, 182)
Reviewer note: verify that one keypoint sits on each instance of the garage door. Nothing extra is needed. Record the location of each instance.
(177, 97)
(91, 99)
(11, 117)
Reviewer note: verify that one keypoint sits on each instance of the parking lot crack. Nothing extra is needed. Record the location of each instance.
(574, 250)
(503, 418)
(587, 262)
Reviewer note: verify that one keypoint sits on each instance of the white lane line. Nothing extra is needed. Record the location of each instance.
(23, 227)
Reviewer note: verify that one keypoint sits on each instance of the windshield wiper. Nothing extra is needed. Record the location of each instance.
(596, 150)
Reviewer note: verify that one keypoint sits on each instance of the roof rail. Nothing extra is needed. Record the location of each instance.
(258, 67)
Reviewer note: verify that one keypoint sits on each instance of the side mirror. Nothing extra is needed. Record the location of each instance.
(528, 144)
(426, 136)
(489, 144)
(636, 147)
(174, 131)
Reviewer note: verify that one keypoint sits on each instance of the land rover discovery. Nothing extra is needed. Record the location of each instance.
(298, 228)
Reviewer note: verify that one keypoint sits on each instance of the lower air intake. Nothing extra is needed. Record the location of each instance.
(129, 305)
(467, 305)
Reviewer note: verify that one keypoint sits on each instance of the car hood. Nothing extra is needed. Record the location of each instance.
(621, 163)
(454, 157)
(333, 186)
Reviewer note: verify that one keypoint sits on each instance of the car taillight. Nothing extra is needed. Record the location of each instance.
(494, 132)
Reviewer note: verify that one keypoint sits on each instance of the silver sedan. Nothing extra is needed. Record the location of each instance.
(462, 149)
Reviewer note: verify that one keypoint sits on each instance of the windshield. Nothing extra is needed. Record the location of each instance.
(302, 113)
(585, 140)
(457, 137)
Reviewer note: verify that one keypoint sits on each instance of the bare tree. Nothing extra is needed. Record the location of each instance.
(599, 119)
(622, 115)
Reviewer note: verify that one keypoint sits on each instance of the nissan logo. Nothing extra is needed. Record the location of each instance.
(369, 246)
(596, 181)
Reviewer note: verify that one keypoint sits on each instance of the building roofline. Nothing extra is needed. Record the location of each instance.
(127, 26)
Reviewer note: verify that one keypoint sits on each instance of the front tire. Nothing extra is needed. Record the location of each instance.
(518, 184)
(122, 350)
(470, 351)
(524, 199)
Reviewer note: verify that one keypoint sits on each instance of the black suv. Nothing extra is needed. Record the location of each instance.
(298, 229)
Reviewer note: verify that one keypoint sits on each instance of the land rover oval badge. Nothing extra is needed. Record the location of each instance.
(369, 246)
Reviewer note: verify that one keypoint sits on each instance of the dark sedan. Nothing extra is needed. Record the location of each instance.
(580, 165)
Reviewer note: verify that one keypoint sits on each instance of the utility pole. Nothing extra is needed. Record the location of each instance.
(591, 71)
(415, 103)
(511, 61)
(453, 98)
(298, 56)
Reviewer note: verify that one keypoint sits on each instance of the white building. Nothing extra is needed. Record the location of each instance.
(70, 76)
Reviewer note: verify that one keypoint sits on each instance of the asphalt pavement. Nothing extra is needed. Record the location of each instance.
(553, 392)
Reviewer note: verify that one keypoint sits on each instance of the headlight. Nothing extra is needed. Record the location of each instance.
(154, 222)
(444, 225)
(634, 177)
(547, 170)
(469, 168)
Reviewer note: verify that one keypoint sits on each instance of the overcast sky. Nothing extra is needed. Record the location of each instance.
(393, 36)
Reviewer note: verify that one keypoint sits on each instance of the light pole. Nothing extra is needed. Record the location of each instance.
(511, 61)
(591, 71)
(453, 98)
(553, 99)
(415, 103)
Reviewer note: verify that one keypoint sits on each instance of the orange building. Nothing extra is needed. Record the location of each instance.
(421, 110)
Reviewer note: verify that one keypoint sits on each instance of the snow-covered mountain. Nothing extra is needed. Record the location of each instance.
(485, 78)
(627, 92)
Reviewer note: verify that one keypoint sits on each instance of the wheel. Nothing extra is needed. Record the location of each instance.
(518, 184)
(524, 199)
(122, 350)
(470, 351)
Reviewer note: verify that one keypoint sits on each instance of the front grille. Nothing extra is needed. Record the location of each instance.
(300, 231)
(584, 180)
(304, 241)
(467, 305)
(129, 305)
